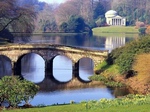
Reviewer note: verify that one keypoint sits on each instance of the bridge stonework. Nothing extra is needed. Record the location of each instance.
(49, 51)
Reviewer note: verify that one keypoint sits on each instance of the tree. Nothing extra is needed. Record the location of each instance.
(100, 22)
(99, 10)
(16, 18)
(46, 21)
(65, 11)
(63, 27)
(76, 24)
(133, 10)
(83, 8)
(14, 90)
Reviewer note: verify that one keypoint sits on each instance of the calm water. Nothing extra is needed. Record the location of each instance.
(51, 92)
(76, 95)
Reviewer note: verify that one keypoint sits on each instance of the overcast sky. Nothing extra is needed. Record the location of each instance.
(53, 1)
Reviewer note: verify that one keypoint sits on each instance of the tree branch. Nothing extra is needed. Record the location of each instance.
(10, 22)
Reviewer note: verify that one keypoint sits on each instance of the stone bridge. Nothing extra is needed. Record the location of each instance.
(49, 51)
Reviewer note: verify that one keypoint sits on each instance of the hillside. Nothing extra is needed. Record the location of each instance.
(129, 65)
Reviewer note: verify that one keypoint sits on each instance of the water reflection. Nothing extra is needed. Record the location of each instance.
(5, 66)
(80, 40)
(86, 68)
(65, 96)
(104, 41)
(114, 42)
(33, 68)
(62, 68)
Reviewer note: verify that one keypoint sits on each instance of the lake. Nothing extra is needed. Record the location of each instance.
(60, 86)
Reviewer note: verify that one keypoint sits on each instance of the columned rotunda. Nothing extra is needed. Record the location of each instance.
(113, 19)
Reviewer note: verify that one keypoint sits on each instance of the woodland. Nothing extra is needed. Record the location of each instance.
(72, 16)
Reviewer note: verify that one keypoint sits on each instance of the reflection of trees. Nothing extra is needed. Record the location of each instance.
(22, 37)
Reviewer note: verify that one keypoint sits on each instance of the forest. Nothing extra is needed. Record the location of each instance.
(72, 16)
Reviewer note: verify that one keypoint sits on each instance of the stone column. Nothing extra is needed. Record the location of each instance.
(113, 21)
(120, 21)
(117, 22)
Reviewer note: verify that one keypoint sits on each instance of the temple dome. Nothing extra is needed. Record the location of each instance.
(110, 14)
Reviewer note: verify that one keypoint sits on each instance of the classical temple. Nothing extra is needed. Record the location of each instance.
(113, 19)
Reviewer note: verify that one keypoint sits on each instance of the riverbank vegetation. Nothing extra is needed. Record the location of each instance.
(128, 64)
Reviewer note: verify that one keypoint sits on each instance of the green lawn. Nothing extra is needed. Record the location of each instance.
(81, 108)
(129, 31)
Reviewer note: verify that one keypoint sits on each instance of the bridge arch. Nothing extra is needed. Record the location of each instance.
(85, 68)
(31, 66)
(5, 66)
(62, 68)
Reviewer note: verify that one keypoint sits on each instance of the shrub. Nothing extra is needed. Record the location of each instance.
(107, 81)
(142, 30)
(14, 90)
(139, 24)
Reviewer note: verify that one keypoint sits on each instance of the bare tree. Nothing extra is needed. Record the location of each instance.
(46, 20)
(16, 18)
(83, 8)
(64, 12)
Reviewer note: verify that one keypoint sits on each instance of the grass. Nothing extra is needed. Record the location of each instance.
(130, 103)
(105, 74)
(107, 70)
(129, 31)
(80, 108)
(116, 29)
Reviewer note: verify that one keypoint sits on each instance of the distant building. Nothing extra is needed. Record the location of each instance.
(113, 19)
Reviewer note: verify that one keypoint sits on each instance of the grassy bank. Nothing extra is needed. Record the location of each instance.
(116, 29)
(131, 103)
(129, 31)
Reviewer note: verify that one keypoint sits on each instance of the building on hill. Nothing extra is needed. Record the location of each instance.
(113, 19)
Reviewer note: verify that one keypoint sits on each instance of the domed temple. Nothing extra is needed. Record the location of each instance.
(113, 19)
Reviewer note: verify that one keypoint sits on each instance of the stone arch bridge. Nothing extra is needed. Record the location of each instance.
(49, 51)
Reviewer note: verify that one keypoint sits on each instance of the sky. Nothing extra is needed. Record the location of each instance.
(53, 1)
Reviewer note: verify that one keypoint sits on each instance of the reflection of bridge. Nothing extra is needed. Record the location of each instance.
(15, 51)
